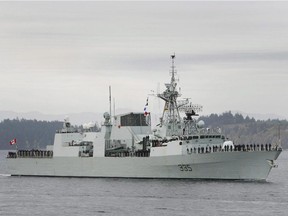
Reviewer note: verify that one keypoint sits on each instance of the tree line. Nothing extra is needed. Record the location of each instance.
(246, 130)
(29, 134)
(35, 134)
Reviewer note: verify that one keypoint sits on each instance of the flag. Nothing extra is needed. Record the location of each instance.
(146, 102)
(13, 142)
(146, 113)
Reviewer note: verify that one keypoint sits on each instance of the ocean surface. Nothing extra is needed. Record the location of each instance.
(104, 196)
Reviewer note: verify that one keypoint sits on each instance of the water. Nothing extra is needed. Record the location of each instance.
(86, 196)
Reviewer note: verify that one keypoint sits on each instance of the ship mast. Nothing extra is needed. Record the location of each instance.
(174, 93)
(171, 113)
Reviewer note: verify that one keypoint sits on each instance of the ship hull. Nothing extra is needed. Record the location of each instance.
(254, 165)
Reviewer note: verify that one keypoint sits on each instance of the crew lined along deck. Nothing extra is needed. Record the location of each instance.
(139, 153)
(146, 153)
(30, 154)
(204, 150)
(243, 147)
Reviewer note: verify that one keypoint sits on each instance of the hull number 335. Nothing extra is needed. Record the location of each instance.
(185, 167)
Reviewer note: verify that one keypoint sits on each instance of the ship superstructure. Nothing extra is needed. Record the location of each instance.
(178, 147)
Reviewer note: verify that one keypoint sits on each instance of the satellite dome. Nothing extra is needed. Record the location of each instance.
(200, 124)
(91, 124)
(106, 115)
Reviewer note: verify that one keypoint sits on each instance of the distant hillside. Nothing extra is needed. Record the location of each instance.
(242, 130)
(246, 130)
(75, 118)
(28, 133)
(86, 117)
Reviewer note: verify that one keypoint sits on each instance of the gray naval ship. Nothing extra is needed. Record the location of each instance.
(126, 146)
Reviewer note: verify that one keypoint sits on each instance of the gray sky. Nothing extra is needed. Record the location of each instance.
(61, 57)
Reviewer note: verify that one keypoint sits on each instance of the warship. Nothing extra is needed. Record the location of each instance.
(127, 146)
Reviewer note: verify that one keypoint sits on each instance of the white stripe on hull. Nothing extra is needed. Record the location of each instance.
(219, 165)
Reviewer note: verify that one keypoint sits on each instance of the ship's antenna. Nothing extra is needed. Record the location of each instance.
(173, 66)
(110, 102)
(173, 86)
(279, 135)
(114, 108)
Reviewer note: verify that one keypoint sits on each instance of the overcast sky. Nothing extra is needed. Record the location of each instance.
(61, 57)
